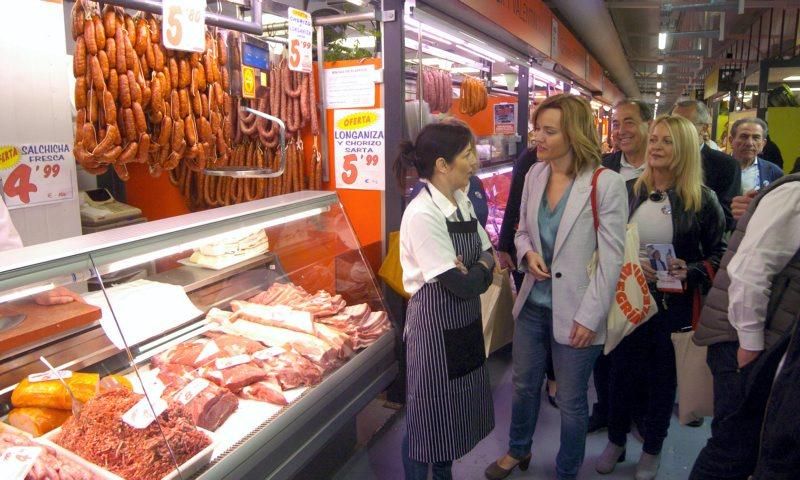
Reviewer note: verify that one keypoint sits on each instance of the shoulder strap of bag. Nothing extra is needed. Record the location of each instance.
(595, 216)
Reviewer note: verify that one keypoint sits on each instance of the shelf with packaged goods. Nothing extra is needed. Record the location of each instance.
(308, 318)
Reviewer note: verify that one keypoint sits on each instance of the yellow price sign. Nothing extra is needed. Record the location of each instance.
(9, 156)
(248, 82)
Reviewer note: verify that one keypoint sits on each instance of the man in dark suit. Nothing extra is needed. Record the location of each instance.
(721, 171)
(630, 123)
(506, 252)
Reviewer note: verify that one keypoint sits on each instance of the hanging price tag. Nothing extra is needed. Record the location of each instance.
(184, 25)
(36, 173)
(16, 462)
(300, 32)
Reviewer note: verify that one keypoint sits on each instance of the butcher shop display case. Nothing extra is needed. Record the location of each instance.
(229, 343)
(497, 185)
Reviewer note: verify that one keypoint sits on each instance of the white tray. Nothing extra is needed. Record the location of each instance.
(189, 467)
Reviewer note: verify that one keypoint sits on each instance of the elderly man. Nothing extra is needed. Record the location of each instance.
(629, 125)
(720, 170)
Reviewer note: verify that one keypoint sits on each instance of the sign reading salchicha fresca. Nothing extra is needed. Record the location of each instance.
(35, 174)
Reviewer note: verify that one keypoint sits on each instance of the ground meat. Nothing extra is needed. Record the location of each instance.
(101, 437)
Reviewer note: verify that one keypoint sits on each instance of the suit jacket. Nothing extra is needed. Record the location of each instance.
(523, 163)
(721, 174)
(768, 171)
(576, 296)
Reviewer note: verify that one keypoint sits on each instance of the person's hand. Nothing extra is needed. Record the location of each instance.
(580, 337)
(537, 265)
(739, 204)
(460, 265)
(505, 260)
(57, 296)
(649, 272)
(677, 268)
(745, 357)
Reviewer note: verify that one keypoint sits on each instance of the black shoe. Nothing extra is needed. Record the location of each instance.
(597, 423)
(696, 423)
(496, 472)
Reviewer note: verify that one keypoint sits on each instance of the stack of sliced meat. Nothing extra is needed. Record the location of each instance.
(320, 304)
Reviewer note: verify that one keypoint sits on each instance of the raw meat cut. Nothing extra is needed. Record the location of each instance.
(275, 316)
(235, 378)
(265, 391)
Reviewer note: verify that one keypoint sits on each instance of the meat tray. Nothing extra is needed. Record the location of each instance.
(189, 468)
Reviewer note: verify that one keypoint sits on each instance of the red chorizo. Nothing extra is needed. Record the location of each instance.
(129, 124)
(136, 90)
(79, 58)
(205, 131)
(109, 141)
(185, 106)
(197, 105)
(119, 44)
(287, 77)
(206, 107)
(155, 30)
(312, 100)
(144, 148)
(156, 97)
(165, 135)
(89, 136)
(102, 58)
(78, 19)
(130, 53)
(177, 134)
(139, 120)
(99, 32)
(124, 91)
(191, 130)
(97, 74)
(130, 28)
(222, 50)
(109, 108)
(109, 21)
(174, 75)
(113, 84)
(142, 36)
(89, 37)
(112, 155)
(158, 58)
(111, 52)
(184, 74)
(80, 92)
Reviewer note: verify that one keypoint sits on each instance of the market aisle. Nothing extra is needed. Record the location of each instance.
(380, 460)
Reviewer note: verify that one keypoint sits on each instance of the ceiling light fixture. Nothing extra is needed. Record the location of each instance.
(469, 47)
(792, 78)
(358, 3)
(662, 40)
(658, 94)
(658, 85)
(660, 69)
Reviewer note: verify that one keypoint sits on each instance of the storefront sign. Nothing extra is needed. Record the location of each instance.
(350, 87)
(594, 73)
(300, 31)
(35, 174)
(567, 50)
(528, 20)
(359, 149)
(184, 25)
(505, 118)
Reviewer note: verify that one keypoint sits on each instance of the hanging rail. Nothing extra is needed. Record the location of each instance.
(214, 19)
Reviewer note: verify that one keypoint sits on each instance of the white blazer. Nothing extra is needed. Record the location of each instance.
(576, 296)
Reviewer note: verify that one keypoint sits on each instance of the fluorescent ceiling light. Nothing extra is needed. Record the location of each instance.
(658, 85)
(539, 74)
(795, 89)
(792, 78)
(658, 94)
(470, 48)
(26, 291)
(539, 83)
(438, 52)
(662, 40)
(357, 3)
(464, 70)
(364, 41)
(437, 38)
(660, 69)
(435, 31)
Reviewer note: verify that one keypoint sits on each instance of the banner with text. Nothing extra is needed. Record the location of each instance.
(359, 149)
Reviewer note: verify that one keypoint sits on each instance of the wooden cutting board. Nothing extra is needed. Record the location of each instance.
(44, 321)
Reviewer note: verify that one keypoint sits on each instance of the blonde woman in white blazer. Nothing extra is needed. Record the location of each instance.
(560, 308)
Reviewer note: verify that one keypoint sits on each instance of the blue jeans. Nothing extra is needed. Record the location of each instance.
(419, 470)
(533, 339)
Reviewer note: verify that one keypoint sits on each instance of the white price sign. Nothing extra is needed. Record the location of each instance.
(359, 149)
(300, 31)
(184, 25)
(36, 173)
(16, 462)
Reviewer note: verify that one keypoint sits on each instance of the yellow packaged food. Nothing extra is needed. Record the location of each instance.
(37, 421)
(52, 394)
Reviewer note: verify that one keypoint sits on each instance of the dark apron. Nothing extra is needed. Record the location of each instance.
(449, 403)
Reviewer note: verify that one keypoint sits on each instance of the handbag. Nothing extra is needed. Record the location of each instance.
(497, 303)
(633, 304)
(695, 382)
(391, 270)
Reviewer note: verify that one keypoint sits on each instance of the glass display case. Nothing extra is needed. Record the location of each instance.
(497, 184)
(210, 345)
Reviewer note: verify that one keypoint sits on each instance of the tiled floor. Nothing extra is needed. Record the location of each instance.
(380, 459)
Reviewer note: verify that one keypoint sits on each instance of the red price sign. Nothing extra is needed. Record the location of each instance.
(38, 175)
(300, 33)
(184, 22)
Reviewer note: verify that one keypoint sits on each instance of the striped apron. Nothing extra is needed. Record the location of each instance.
(449, 402)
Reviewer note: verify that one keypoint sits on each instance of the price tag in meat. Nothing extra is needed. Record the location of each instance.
(209, 349)
(48, 375)
(16, 462)
(300, 32)
(141, 415)
(36, 174)
(359, 149)
(184, 25)
(268, 353)
(187, 393)
(228, 362)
